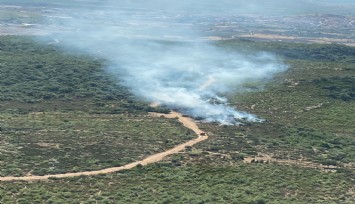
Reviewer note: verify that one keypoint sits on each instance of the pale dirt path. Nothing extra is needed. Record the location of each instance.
(300, 162)
(187, 122)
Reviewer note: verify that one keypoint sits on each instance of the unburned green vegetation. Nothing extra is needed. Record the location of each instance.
(309, 109)
(338, 87)
(32, 72)
(52, 143)
(206, 183)
(62, 113)
(40, 77)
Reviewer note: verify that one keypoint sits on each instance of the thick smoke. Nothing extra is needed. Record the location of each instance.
(191, 77)
(162, 58)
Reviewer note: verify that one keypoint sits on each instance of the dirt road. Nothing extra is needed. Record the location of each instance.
(187, 122)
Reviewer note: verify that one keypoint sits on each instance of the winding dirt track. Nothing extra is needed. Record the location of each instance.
(187, 122)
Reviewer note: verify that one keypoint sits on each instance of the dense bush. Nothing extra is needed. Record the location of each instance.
(35, 72)
(342, 88)
(305, 121)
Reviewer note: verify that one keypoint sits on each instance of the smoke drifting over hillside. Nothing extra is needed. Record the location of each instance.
(136, 40)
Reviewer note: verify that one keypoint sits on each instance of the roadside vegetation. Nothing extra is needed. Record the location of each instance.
(54, 142)
(61, 113)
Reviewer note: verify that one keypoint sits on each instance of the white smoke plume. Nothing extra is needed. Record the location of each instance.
(162, 59)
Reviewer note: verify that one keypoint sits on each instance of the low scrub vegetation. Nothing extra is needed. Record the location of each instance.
(61, 112)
